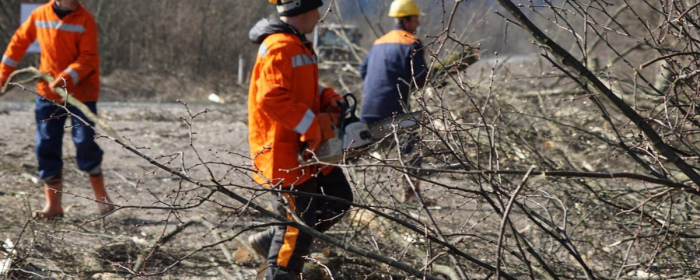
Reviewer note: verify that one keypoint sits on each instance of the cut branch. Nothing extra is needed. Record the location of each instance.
(570, 61)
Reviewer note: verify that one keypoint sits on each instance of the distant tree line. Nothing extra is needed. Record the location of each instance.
(203, 39)
(200, 39)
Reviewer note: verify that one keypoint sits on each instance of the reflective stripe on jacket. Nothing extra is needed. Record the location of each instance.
(68, 49)
(387, 71)
(283, 100)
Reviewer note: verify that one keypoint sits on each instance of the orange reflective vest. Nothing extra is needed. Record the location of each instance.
(283, 101)
(68, 50)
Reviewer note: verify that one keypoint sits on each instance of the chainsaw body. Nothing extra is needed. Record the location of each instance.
(351, 133)
(331, 148)
(385, 127)
(357, 135)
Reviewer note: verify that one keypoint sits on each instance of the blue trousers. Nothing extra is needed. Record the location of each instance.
(50, 121)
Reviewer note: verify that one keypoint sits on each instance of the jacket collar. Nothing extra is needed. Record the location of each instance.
(78, 10)
(273, 25)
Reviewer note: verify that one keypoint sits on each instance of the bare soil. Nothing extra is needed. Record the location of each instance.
(84, 245)
(74, 246)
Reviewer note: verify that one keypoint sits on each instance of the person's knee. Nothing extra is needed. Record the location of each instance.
(89, 154)
(83, 136)
(48, 149)
(49, 138)
(50, 159)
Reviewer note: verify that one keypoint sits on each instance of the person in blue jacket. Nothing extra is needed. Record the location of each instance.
(395, 65)
(394, 60)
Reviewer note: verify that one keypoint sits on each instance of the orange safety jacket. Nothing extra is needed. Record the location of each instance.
(283, 101)
(68, 50)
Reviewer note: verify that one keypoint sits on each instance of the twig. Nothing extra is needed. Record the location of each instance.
(124, 179)
(645, 64)
(138, 264)
(506, 220)
(328, 271)
(568, 60)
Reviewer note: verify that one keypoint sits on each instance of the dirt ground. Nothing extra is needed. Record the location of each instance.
(153, 127)
(83, 245)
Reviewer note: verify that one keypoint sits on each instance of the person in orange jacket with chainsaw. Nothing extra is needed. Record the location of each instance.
(287, 110)
(67, 36)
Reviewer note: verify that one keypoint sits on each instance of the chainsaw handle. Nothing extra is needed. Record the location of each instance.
(341, 122)
(351, 106)
(347, 105)
(342, 104)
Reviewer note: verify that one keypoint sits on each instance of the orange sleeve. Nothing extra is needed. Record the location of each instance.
(328, 96)
(275, 96)
(24, 36)
(88, 59)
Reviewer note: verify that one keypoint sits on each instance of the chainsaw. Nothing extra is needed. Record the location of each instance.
(351, 134)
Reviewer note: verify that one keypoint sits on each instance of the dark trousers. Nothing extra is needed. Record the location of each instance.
(50, 121)
(289, 245)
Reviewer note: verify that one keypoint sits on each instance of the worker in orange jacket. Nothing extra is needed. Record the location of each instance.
(286, 111)
(67, 36)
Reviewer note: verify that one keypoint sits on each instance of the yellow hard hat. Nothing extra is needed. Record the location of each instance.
(403, 8)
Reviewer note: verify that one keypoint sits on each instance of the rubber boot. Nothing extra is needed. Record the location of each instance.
(98, 187)
(52, 192)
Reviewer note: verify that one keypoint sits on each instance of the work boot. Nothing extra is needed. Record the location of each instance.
(260, 242)
(98, 187)
(52, 192)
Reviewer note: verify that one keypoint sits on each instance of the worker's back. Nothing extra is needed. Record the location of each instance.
(387, 74)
